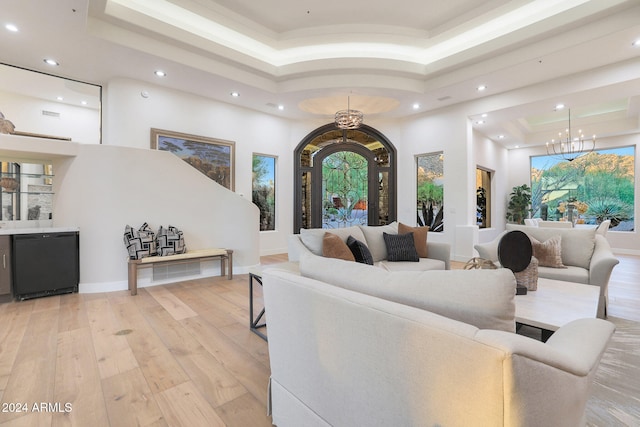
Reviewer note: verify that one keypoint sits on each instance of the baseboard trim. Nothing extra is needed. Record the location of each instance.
(122, 285)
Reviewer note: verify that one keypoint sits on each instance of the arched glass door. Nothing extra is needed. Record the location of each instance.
(344, 178)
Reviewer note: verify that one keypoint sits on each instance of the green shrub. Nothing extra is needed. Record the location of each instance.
(610, 208)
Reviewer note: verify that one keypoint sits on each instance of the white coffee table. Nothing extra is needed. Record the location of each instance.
(556, 303)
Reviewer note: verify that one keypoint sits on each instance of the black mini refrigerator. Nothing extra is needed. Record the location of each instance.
(45, 264)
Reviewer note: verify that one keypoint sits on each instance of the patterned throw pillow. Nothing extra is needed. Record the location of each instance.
(360, 251)
(334, 247)
(400, 247)
(170, 241)
(140, 243)
(549, 252)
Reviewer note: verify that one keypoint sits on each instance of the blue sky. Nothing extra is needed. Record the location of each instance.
(269, 163)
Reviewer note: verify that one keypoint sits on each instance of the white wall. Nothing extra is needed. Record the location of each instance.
(81, 124)
(492, 156)
(129, 117)
(519, 166)
(447, 131)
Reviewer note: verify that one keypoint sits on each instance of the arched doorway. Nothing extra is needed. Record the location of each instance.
(344, 178)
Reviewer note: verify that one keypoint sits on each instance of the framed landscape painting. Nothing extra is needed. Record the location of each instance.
(213, 157)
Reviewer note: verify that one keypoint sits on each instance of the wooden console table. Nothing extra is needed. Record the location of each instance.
(224, 255)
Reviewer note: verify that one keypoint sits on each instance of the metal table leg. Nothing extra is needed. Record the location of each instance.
(254, 323)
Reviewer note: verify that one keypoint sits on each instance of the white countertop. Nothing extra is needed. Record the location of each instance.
(37, 230)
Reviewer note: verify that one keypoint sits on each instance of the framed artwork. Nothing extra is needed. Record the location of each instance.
(213, 157)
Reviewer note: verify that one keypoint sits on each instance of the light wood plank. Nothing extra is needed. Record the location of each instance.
(156, 362)
(49, 303)
(129, 401)
(252, 374)
(73, 314)
(113, 353)
(178, 309)
(31, 419)
(15, 319)
(33, 374)
(213, 381)
(244, 411)
(183, 405)
(78, 382)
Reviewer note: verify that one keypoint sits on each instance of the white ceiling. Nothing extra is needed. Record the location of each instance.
(309, 55)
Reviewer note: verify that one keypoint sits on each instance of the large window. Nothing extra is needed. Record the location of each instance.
(264, 189)
(430, 194)
(594, 187)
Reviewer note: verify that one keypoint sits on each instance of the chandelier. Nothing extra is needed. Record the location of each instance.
(349, 119)
(570, 147)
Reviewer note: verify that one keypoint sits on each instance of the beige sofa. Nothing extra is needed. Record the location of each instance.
(353, 345)
(310, 241)
(585, 253)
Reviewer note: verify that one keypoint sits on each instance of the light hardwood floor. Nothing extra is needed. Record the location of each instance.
(174, 355)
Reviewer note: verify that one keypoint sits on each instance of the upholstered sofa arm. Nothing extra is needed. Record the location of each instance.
(489, 250)
(576, 348)
(602, 263)
(583, 341)
(440, 251)
(295, 247)
(556, 375)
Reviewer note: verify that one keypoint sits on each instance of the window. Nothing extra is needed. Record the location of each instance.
(483, 197)
(594, 187)
(430, 194)
(264, 189)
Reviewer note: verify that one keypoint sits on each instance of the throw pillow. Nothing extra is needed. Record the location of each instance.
(140, 243)
(400, 247)
(419, 237)
(170, 241)
(549, 252)
(334, 247)
(360, 251)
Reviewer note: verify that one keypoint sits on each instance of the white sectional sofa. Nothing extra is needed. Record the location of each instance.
(310, 241)
(585, 253)
(353, 345)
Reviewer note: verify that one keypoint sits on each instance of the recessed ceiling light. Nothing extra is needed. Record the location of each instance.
(59, 98)
(517, 146)
(11, 28)
(280, 107)
(83, 102)
(480, 122)
(636, 43)
(481, 88)
(500, 136)
(485, 115)
(51, 61)
(160, 73)
(416, 106)
(559, 106)
(235, 94)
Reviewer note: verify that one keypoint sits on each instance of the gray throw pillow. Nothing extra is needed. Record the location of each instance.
(401, 247)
